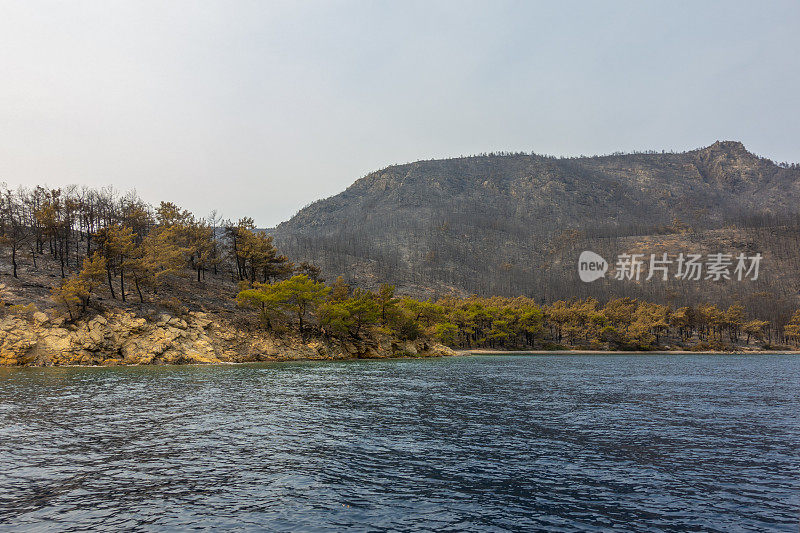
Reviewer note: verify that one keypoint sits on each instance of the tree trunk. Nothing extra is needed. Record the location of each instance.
(61, 257)
(136, 283)
(122, 283)
(110, 285)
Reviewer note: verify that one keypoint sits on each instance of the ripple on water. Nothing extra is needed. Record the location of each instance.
(656, 442)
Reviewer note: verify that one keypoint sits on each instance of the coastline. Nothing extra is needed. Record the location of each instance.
(623, 352)
(456, 353)
(121, 338)
(244, 363)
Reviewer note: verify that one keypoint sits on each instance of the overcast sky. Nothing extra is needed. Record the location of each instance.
(258, 108)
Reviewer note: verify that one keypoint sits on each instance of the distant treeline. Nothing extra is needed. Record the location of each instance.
(511, 323)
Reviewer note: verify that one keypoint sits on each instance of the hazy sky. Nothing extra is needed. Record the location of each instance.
(258, 108)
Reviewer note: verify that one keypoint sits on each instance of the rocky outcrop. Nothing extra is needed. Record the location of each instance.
(122, 338)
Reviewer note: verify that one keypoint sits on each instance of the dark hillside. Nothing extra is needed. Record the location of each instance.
(515, 224)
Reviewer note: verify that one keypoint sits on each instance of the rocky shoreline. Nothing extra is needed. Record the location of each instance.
(120, 337)
(671, 351)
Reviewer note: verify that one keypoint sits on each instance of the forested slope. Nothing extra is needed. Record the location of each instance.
(514, 224)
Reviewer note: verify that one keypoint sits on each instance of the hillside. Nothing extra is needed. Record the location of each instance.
(515, 224)
(90, 277)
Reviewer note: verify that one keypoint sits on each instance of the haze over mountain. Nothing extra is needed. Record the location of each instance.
(514, 224)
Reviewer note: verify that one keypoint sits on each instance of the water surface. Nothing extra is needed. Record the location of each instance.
(562, 442)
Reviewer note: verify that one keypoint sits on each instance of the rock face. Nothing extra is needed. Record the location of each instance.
(121, 338)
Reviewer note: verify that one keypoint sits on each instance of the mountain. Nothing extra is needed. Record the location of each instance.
(511, 224)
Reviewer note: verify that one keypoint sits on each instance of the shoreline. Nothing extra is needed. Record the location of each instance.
(239, 363)
(457, 353)
(123, 338)
(483, 351)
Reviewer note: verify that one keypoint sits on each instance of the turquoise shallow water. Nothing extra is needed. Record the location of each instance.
(558, 442)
